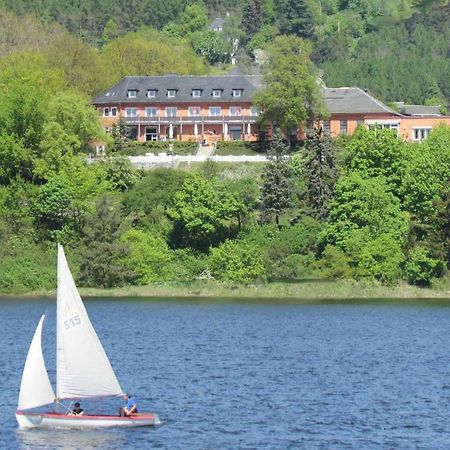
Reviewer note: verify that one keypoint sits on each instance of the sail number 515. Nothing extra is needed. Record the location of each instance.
(72, 322)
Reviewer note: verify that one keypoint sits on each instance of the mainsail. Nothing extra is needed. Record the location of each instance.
(82, 367)
(35, 389)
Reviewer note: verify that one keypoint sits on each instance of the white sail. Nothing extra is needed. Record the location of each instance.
(83, 369)
(35, 389)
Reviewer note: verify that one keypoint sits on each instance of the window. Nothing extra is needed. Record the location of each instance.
(151, 112)
(151, 93)
(237, 92)
(194, 111)
(217, 93)
(151, 134)
(171, 93)
(131, 112)
(326, 126)
(235, 110)
(359, 122)
(385, 126)
(132, 93)
(343, 128)
(171, 111)
(215, 110)
(196, 93)
(110, 112)
(419, 134)
(255, 111)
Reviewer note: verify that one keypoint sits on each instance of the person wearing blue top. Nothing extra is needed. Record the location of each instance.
(130, 408)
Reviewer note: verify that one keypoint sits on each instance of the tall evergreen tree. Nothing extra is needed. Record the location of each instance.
(296, 17)
(321, 173)
(252, 17)
(276, 190)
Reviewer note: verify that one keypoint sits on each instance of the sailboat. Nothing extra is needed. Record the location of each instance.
(83, 370)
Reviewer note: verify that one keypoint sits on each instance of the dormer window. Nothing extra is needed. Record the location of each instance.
(171, 93)
(217, 93)
(151, 93)
(132, 93)
(196, 93)
(237, 92)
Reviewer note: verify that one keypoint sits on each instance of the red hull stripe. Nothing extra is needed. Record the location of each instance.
(87, 416)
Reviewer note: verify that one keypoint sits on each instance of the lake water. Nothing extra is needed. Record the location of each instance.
(254, 375)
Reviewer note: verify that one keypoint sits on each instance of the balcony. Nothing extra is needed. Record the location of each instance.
(189, 120)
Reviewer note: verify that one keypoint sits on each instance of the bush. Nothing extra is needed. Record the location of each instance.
(236, 261)
(239, 148)
(420, 269)
(334, 263)
(135, 148)
(381, 259)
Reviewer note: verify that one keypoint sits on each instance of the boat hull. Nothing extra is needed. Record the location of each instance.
(55, 420)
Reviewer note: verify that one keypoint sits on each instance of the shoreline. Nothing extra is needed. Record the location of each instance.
(207, 289)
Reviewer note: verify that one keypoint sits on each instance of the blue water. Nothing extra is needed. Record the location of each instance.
(254, 375)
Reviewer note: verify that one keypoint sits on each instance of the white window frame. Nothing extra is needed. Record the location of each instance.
(255, 111)
(128, 109)
(171, 108)
(171, 93)
(113, 111)
(212, 108)
(106, 111)
(217, 93)
(151, 93)
(196, 93)
(424, 133)
(132, 93)
(153, 109)
(237, 93)
(235, 111)
(195, 108)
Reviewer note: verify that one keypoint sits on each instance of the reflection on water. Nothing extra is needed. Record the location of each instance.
(248, 375)
(69, 439)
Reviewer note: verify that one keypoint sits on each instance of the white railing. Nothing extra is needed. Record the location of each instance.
(151, 159)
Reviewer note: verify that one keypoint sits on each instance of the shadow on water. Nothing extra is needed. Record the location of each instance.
(71, 439)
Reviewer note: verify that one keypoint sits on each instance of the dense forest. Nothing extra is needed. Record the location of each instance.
(366, 207)
(398, 49)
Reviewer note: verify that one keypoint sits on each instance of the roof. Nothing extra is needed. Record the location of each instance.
(421, 110)
(183, 85)
(217, 24)
(353, 100)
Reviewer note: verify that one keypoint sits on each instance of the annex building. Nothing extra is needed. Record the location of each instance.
(211, 108)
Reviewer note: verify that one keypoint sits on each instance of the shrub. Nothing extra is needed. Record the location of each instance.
(420, 269)
(236, 261)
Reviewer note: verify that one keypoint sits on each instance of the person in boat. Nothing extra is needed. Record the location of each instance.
(76, 411)
(130, 407)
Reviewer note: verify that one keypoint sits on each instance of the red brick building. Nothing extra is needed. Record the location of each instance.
(211, 108)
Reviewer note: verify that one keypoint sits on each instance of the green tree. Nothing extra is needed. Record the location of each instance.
(252, 17)
(103, 251)
(110, 31)
(149, 256)
(200, 213)
(381, 259)
(291, 94)
(378, 153)
(420, 268)
(211, 46)
(54, 209)
(297, 17)
(321, 173)
(276, 190)
(363, 210)
(121, 173)
(236, 261)
(15, 160)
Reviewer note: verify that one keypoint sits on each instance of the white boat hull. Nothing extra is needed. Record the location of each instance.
(55, 420)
